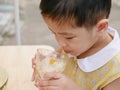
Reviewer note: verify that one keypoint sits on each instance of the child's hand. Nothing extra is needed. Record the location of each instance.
(58, 81)
(33, 66)
(34, 61)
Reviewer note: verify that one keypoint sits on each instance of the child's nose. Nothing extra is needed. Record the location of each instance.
(62, 44)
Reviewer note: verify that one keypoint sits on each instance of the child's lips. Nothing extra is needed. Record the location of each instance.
(68, 51)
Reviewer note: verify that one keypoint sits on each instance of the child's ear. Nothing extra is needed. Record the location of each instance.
(102, 25)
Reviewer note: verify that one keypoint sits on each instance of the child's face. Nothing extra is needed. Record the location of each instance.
(75, 41)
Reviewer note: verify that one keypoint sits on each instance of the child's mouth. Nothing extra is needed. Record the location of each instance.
(69, 52)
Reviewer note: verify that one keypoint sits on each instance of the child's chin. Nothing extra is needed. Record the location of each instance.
(73, 54)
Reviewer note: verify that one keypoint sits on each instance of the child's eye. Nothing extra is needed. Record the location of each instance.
(69, 37)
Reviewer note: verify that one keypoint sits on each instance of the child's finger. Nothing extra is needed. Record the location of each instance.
(33, 62)
(46, 83)
(33, 76)
(50, 88)
(37, 84)
(40, 88)
(53, 75)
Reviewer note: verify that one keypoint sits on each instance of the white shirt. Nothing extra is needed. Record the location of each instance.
(97, 60)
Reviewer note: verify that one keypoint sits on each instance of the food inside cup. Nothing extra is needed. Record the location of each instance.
(49, 61)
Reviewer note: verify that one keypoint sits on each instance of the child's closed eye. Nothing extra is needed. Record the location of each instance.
(69, 37)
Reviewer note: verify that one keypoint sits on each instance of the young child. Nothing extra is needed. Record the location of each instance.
(82, 29)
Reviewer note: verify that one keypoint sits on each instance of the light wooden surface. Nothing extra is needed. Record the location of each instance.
(17, 62)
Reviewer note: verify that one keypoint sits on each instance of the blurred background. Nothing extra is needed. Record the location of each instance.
(22, 24)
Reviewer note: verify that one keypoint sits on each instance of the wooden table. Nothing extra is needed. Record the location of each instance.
(17, 62)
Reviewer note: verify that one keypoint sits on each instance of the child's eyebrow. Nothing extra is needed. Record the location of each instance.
(62, 33)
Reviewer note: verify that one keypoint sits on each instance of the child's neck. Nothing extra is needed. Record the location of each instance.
(101, 43)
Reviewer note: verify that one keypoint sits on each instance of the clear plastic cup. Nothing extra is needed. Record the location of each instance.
(49, 61)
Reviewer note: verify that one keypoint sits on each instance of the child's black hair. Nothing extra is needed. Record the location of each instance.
(82, 12)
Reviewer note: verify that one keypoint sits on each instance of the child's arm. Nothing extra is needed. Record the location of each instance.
(115, 85)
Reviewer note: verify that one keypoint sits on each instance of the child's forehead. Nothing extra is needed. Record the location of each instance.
(60, 23)
(67, 28)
